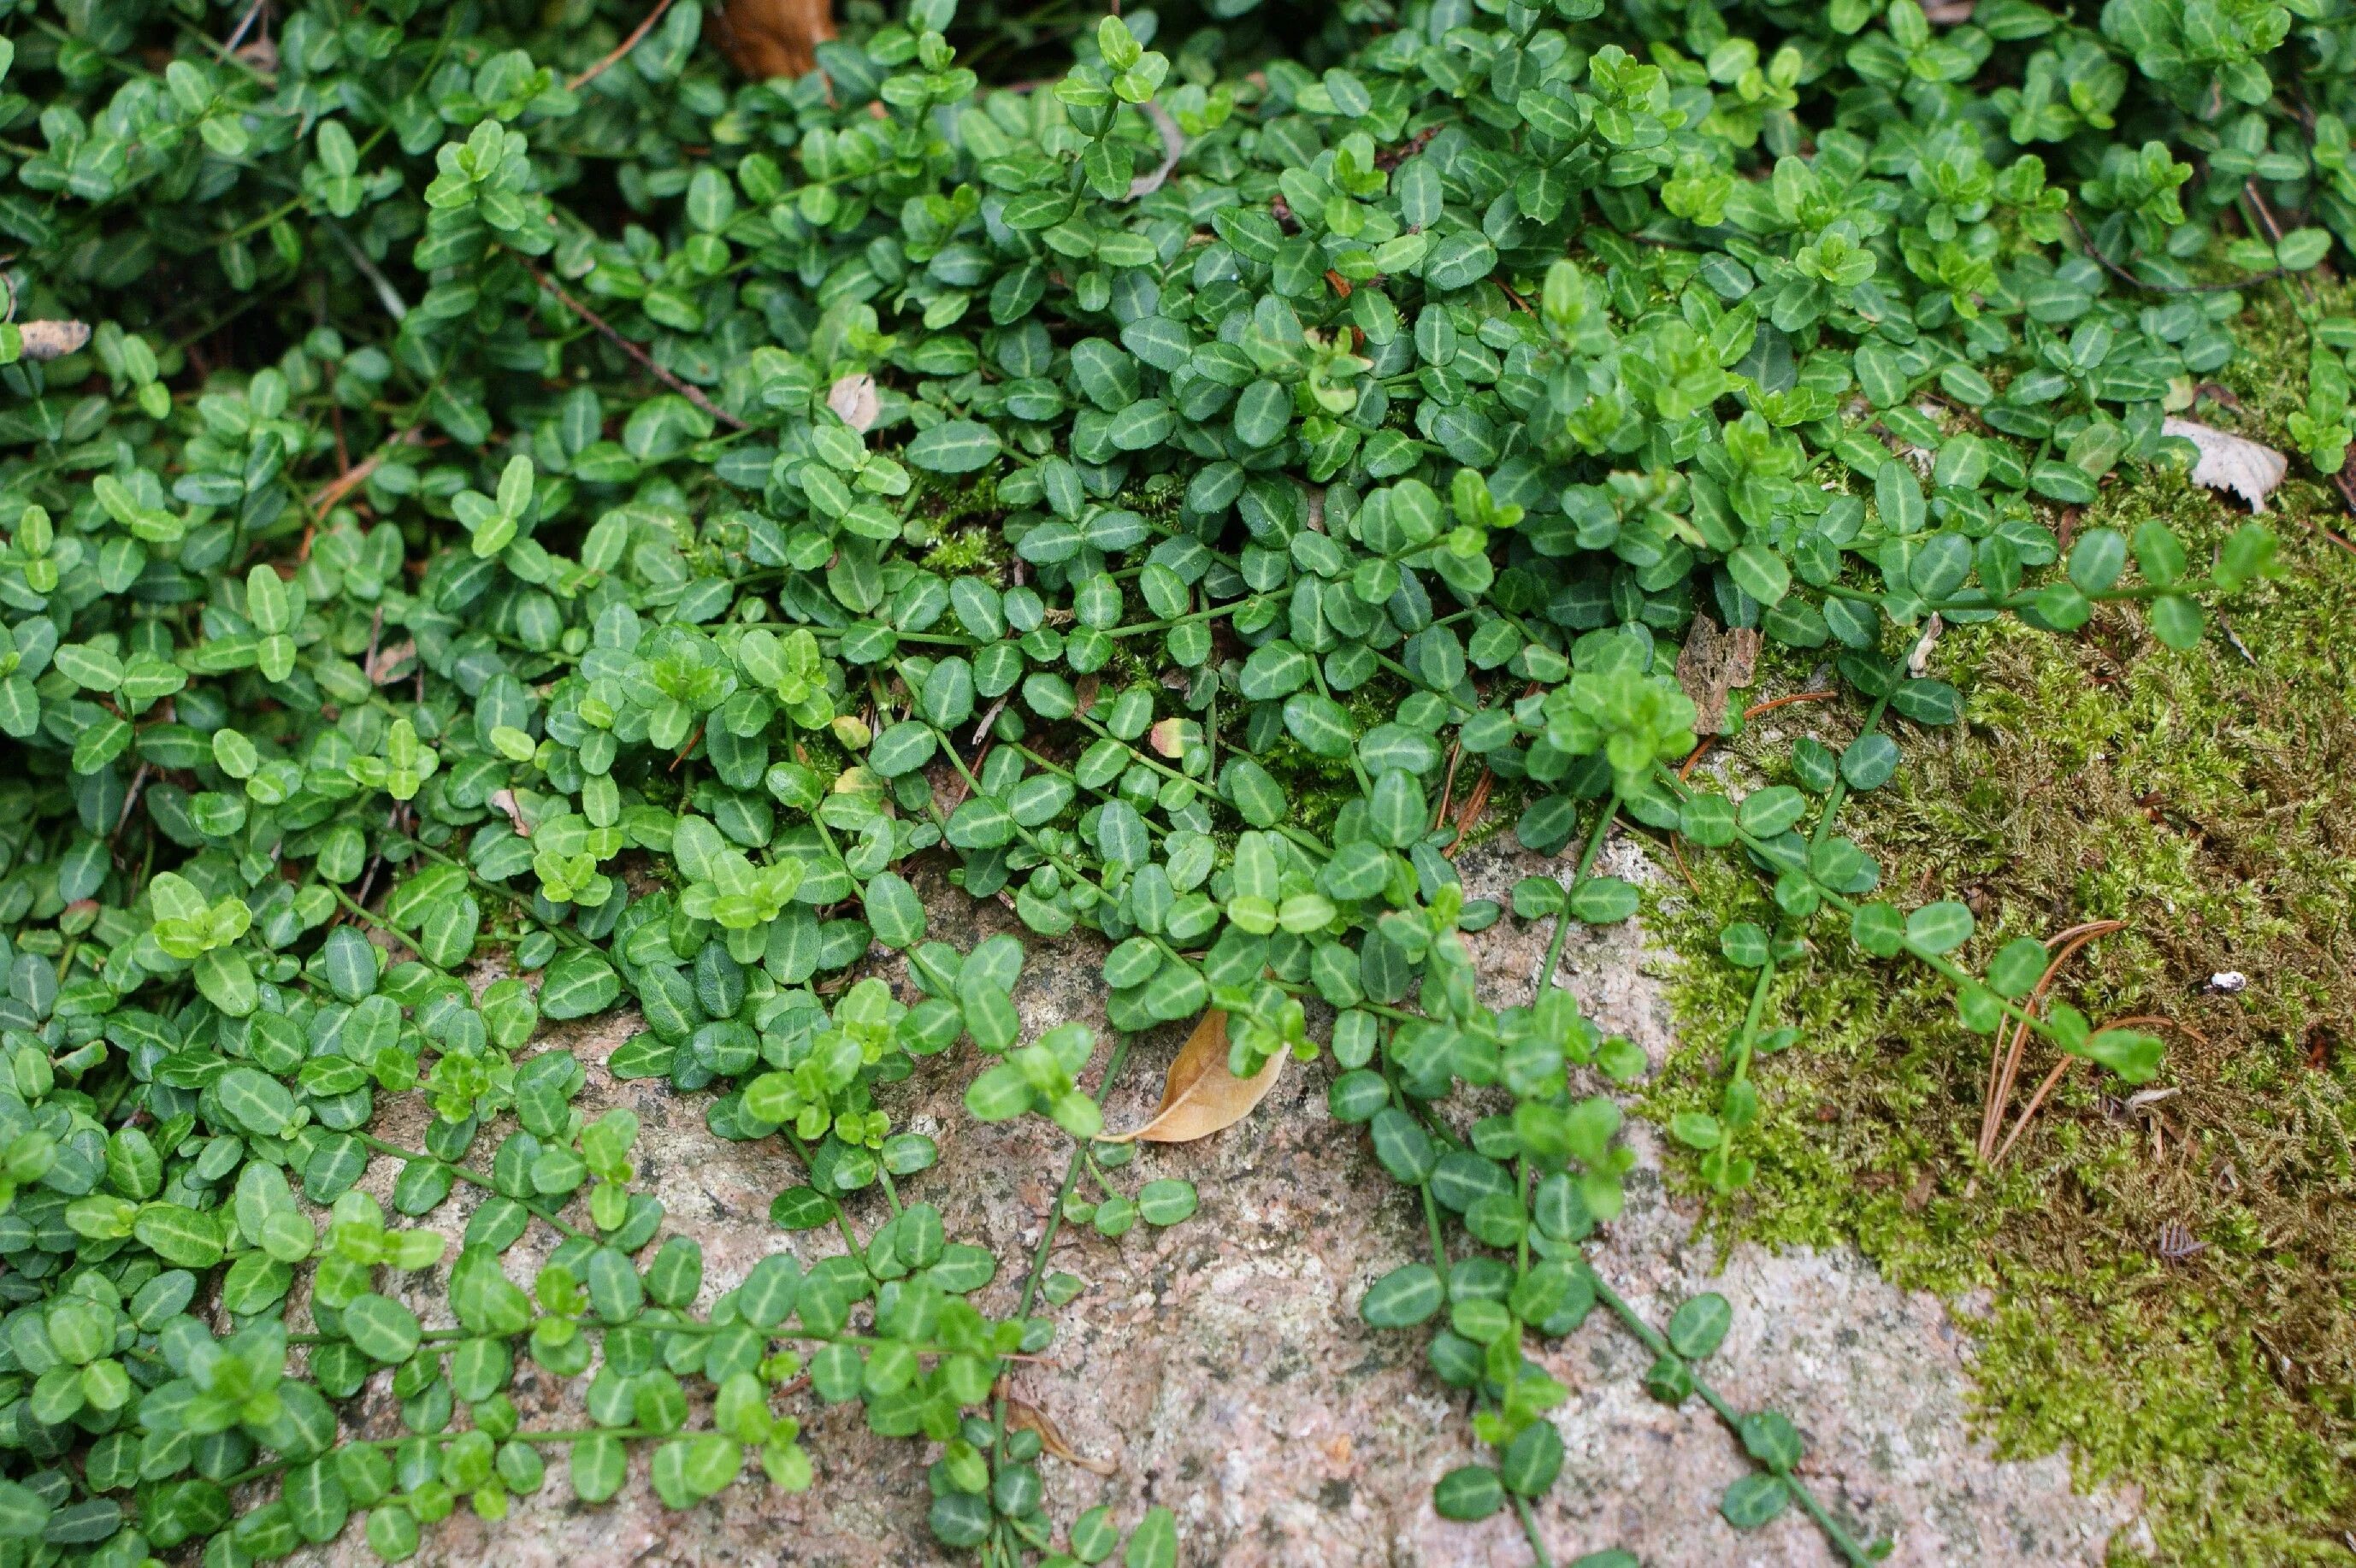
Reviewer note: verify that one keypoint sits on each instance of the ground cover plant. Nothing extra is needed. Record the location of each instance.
(488, 479)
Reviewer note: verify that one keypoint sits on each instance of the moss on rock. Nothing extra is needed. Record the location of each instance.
(2166, 1283)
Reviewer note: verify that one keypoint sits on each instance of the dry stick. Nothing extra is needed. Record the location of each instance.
(2274, 231)
(344, 484)
(2004, 1067)
(2348, 496)
(130, 799)
(244, 23)
(1684, 770)
(2124, 276)
(644, 363)
(623, 47)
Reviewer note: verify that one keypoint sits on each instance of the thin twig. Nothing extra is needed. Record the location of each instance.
(1684, 769)
(623, 47)
(988, 717)
(2125, 276)
(2347, 488)
(1448, 787)
(2274, 231)
(2062, 1070)
(138, 782)
(334, 490)
(237, 38)
(691, 393)
(386, 295)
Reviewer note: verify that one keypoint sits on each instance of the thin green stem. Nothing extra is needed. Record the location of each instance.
(841, 1221)
(1652, 1340)
(1055, 1220)
(570, 938)
(378, 921)
(1530, 1529)
(471, 1179)
(1547, 980)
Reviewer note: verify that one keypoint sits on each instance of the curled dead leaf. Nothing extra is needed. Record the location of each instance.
(1917, 663)
(1201, 1096)
(2230, 461)
(506, 801)
(1174, 143)
(51, 340)
(854, 403)
(1025, 1416)
(772, 38)
(1711, 666)
(389, 664)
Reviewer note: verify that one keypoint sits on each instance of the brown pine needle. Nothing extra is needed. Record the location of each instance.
(2004, 1066)
(2062, 1070)
(1474, 804)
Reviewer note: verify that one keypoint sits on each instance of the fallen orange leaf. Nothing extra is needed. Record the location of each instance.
(1201, 1096)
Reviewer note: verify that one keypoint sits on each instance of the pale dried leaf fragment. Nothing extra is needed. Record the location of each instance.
(390, 664)
(1713, 665)
(506, 801)
(854, 403)
(1917, 663)
(1201, 1096)
(1023, 1415)
(51, 340)
(1173, 143)
(2247, 468)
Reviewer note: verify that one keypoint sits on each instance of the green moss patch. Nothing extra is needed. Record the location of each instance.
(2166, 1284)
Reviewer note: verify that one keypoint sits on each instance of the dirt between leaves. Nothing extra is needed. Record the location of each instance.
(1220, 1366)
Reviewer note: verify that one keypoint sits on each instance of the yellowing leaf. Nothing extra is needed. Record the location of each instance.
(52, 339)
(1201, 1096)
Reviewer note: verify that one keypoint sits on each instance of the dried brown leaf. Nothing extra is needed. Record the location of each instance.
(772, 38)
(854, 403)
(1201, 1096)
(506, 801)
(1022, 1415)
(1714, 664)
(2230, 461)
